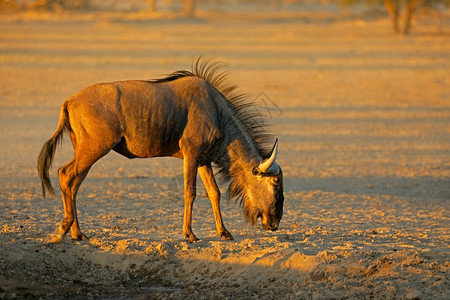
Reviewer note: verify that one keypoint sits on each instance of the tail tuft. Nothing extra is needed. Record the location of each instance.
(47, 153)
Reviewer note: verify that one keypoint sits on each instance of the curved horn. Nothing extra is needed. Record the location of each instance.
(270, 166)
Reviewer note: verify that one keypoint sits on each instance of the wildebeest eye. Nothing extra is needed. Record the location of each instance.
(256, 171)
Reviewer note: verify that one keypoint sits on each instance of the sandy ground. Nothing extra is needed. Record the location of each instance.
(363, 119)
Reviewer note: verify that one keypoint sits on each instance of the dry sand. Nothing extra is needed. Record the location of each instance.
(363, 119)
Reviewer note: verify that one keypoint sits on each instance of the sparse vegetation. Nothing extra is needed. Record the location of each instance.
(51, 5)
(400, 11)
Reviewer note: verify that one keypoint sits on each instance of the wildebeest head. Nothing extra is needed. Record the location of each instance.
(264, 196)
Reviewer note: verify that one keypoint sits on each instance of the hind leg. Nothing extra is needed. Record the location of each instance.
(67, 222)
(75, 228)
(70, 180)
(71, 175)
(94, 130)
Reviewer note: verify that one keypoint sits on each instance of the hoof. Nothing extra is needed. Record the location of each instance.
(54, 238)
(226, 235)
(190, 238)
(79, 237)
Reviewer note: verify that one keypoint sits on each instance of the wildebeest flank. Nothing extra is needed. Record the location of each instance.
(194, 115)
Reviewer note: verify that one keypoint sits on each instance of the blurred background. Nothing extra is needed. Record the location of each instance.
(401, 12)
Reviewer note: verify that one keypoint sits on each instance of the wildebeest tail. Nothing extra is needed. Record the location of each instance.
(45, 158)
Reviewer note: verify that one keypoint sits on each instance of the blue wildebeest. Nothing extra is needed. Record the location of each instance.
(195, 116)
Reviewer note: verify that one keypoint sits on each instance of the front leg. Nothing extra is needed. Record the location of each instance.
(190, 178)
(207, 176)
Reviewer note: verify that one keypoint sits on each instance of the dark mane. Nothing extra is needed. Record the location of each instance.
(245, 109)
(174, 76)
(242, 107)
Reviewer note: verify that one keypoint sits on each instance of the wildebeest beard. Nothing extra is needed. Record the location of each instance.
(251, 213)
